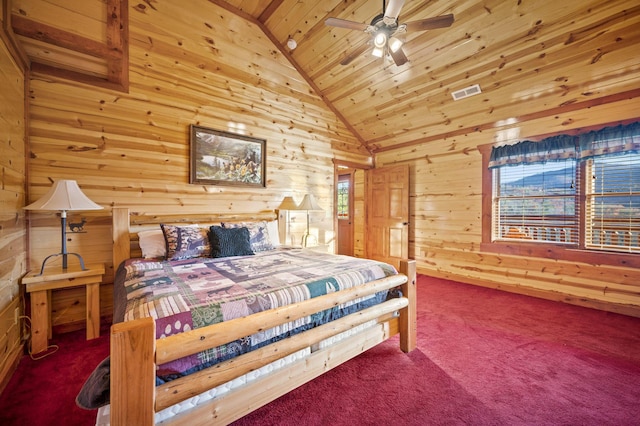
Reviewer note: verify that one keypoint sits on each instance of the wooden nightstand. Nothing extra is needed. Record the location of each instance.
(40, 287)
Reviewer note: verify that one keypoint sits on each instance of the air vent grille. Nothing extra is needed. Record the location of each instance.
(466, 92)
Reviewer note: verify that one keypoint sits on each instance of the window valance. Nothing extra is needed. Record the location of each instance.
(610, 140)
(607, 141)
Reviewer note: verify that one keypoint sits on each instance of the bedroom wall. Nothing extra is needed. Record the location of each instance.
(190, 62)
(446, 209)
(13, 249)
(195, 63)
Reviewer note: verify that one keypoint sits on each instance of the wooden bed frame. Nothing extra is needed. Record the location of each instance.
(135, 352)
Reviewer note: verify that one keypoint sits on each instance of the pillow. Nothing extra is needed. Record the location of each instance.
(229, 241)
(185, 242)
(152, 244)
(259, 235)
(274, 232)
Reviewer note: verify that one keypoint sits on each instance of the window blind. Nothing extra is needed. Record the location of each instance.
(537, 202)
(613, 203)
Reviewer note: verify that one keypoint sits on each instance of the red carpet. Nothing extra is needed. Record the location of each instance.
(484, 357)
(43, 392)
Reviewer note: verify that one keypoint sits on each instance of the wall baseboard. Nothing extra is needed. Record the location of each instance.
(10, 367)
(618, 308)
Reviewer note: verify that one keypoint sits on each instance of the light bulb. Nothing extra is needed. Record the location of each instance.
(291, 44)
(394, 44)
(380, 40)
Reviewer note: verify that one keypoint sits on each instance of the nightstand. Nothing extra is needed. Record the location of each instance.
(40, 286)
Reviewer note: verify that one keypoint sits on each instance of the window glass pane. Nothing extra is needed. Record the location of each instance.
(343, 200)
(613, 203)
(537, 202)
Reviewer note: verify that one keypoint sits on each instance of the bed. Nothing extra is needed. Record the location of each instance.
(231, 388)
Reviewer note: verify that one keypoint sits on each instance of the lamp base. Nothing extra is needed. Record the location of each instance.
(64, 261)
(306, 242)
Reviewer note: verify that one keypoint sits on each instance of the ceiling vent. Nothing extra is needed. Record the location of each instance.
(466, 92)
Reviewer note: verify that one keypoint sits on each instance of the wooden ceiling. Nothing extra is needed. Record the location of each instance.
(531, 58)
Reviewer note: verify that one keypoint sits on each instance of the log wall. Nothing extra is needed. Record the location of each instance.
(13, 249)
(190, 62)
(446, 210)
(194, 62)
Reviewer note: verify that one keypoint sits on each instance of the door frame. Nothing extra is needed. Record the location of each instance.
(338, 167)
(347, 174)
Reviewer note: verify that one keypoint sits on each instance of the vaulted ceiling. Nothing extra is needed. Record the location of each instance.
(529, 57)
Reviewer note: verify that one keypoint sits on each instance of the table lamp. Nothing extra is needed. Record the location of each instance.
(309, 204)
(64, 196)
(286, 205)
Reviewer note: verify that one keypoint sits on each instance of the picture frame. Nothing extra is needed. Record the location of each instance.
(224, 158)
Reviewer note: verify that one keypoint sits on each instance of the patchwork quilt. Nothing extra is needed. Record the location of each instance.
(186, 294)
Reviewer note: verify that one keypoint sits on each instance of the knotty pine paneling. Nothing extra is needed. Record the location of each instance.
(89, 17)
(446, 210)
(190, 63)
(13, 249)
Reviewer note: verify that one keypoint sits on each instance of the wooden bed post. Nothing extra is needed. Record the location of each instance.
(408, 316)
(133, 373)
(120, 233)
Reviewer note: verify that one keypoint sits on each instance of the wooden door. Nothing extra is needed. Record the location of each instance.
(344, 212)
(387, 230)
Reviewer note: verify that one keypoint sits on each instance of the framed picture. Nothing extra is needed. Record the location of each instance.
(223, 158)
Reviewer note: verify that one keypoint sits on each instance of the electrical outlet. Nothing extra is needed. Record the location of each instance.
(16, 315)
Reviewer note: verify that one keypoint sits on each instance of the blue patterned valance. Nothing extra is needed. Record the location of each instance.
(555, 148)
(607, 141)
(610, 141)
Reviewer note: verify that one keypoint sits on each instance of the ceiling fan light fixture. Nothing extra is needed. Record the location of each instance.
(395, 44)
(378, 52)
(384, 29)
(380, 40)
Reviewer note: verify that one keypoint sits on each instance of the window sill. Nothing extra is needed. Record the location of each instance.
(558, 252)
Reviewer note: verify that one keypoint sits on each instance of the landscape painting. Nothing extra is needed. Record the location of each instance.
(224, 158)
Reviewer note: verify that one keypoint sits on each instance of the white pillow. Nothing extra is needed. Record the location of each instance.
(274, 233)
(152, 244)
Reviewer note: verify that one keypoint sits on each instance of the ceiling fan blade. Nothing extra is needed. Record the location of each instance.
(398, 56)
(430, 23)
(343, 23)
(354, 54)
(393, 9)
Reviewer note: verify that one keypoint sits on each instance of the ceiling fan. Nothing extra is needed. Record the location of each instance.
(385, 30)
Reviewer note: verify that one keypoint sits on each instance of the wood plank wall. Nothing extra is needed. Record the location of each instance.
(191, 62)
(446, 209)
(13, 249)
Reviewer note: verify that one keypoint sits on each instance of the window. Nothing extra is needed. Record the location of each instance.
(613, 203)
(536, 202)
(343, 199)
(577, 192)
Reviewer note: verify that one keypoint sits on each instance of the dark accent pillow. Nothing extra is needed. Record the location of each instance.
(229, 241)
(258, 234)
(185, 242)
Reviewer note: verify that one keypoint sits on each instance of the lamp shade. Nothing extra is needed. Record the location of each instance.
(309, 203)
(64, 195)
(288, 204)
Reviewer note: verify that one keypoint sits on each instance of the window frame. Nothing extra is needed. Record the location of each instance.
(548, 250)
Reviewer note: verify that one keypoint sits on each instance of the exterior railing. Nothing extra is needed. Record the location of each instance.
(618, 234)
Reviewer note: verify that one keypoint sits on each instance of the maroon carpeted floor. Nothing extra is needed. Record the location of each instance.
(484, 357)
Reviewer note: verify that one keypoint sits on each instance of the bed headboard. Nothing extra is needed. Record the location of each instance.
(126, 225)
